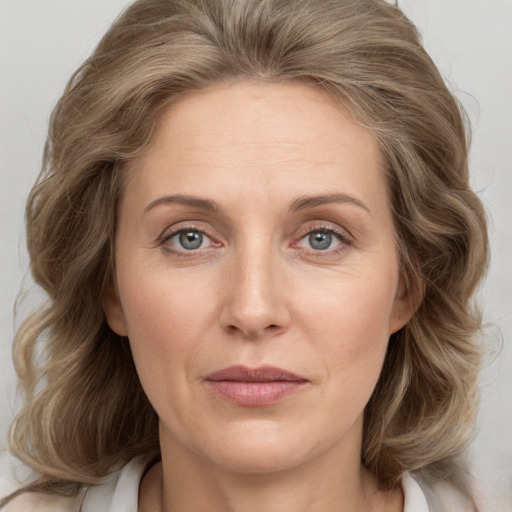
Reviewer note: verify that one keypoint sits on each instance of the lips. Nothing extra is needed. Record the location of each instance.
(261, 374)
(254, 387)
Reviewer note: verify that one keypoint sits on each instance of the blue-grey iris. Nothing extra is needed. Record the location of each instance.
(190, 240)
(320, 241)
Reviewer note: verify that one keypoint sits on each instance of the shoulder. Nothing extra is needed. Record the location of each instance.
(116, 492)
(42, 502)
(14, 476)
(439, 497)
(445, 497)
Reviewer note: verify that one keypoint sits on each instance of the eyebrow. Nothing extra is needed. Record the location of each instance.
(195, 202)
(305, 202)
(301, 203)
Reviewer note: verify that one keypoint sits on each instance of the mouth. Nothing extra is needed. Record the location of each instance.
(254, 387)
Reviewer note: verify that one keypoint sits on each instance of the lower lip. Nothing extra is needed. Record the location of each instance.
(254, 394)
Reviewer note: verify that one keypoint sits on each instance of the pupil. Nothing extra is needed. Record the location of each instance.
(191, 240)
(320, 241)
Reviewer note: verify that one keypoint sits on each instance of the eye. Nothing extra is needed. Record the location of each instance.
(322, 240)
(188, 239)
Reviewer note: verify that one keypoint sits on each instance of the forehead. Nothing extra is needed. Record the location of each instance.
(253, 133)
(261, 112)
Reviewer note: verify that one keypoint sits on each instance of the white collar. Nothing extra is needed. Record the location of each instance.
(119, 492)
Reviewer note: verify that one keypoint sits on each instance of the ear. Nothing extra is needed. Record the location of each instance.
(407, 301)
(113, 310)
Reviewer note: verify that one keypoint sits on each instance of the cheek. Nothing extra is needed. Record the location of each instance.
(349, 323)
(346, 326)
(165, 319)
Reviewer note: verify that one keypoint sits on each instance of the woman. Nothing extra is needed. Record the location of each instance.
(255, 229)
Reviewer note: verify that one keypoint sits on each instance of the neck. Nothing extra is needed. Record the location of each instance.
(333, 481)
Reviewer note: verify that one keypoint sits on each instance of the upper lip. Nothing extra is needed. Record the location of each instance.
(241, 373)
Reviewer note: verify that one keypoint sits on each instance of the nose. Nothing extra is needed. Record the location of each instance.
(255, 304)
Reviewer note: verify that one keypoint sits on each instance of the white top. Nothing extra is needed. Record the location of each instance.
(119, 493)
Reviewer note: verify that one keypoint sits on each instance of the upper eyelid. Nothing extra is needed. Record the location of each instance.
(329, 227)
(175, 232)
(173, 229)
(167, 235)
(342, 239)
(309, 227)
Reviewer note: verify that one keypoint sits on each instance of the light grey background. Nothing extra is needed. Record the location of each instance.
(42, 42)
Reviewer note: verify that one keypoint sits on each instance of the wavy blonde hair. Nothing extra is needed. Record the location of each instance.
(85, 413)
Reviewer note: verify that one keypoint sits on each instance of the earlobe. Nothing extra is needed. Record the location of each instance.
(114, 313)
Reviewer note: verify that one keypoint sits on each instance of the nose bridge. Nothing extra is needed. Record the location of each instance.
(255, 296)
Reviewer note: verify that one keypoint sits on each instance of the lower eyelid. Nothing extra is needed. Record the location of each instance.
(338, 243)
(174, 248)
(344, 239)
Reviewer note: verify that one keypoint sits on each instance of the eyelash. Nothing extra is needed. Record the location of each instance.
(167, 236)
(344, 238)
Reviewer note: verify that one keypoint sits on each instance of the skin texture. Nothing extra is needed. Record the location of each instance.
(258, 291)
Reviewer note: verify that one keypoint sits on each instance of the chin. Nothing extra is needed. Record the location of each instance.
(258, 460)
(261, 449)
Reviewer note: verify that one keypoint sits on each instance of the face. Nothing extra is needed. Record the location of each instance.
(257, 275)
